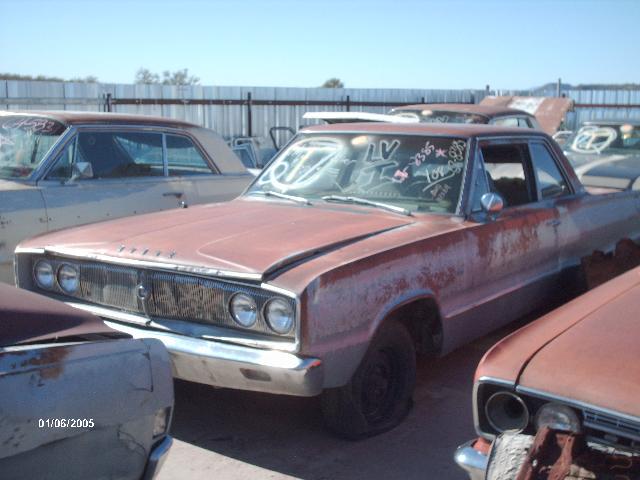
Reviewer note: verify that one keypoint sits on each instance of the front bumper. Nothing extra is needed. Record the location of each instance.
(157, 457)
(473, 461)
(235, 366)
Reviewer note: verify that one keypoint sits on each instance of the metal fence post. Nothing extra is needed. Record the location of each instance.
(249, 129)
(348, 103)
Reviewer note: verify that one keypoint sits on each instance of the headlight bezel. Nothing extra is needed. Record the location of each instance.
(60, 282)
(44, 261)
(265, 314)
(255, 309)
(499, 401)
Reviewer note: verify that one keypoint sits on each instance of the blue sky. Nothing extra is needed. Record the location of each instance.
(367, 44)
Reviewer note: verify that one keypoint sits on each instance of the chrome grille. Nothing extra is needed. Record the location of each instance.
(173, 296)
(611, 424)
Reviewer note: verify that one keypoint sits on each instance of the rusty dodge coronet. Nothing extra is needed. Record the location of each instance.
(359, 245)
(575, 371)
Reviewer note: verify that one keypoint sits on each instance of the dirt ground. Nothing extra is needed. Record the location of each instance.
(229, 435)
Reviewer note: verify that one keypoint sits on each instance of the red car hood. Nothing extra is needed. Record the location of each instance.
(244, 236)
(586, 351)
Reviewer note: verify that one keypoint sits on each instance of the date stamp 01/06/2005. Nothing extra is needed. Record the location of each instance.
(66, 423)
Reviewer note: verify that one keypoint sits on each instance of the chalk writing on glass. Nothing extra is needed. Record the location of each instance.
(379, 166)
(6, 141)
(457, 150)
(441, 152)
(40, 125)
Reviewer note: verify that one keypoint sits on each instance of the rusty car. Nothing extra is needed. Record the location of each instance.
(562, 392)
(356, 247)
(59, 169)
(606, 153)
(79, 400)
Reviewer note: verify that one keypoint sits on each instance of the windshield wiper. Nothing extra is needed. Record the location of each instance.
(364, 201)
(293, 198)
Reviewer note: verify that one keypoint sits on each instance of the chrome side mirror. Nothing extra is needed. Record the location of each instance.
(81, 170)
(492, 204)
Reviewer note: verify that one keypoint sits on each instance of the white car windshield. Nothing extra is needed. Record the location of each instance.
(596, 138)
(24, 142)
(406, 172)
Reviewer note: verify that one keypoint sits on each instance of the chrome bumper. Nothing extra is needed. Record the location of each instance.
(471, 460)
(156, 458)
(235, 366)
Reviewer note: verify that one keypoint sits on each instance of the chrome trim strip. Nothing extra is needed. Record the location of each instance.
(281, 291)
(171, 267)
(575, 403)
(37, 251)
(217, 333)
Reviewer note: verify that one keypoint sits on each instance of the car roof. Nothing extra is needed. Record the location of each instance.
(465, 130)
(485, 110)
(70, 118)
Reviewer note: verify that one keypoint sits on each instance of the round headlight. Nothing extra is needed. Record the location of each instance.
(506, 412)
(279, 315)
(243, 309)
(43, 272)
(558, 417)
(68, 278)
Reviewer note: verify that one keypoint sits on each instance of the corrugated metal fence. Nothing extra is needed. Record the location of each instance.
(238, 111)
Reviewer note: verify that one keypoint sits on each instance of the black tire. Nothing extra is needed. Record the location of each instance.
(379, 395)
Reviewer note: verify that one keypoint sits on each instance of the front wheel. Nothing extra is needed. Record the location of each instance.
(378, 396)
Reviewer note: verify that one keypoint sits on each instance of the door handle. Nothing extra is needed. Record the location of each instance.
(554, 223)
(173, 194)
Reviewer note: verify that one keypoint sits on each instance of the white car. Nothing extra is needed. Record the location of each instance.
(60, 169)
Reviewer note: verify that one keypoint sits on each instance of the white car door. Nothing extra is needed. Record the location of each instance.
(199, 180)
(127, 177)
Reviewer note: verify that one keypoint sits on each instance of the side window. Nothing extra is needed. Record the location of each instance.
(113, 155)
(550, 181)
(184, 158)
(63, 167)
(506, 122)
(508, 173)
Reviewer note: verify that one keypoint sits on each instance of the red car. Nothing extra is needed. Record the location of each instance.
(575, 371)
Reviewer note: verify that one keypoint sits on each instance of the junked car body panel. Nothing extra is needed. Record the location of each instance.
(60, 169)
(582, 356)
(79, 400)
(352, 228)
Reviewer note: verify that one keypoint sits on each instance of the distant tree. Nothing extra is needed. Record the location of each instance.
(333, 83)
(87, 79)
(179, 77)
(47, 78)
(146, 77)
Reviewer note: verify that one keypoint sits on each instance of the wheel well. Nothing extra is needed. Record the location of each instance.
(421, 318)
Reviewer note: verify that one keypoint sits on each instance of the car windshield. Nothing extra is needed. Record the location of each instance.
(24, 142)
(439, 116)
(594, 138)
(406, 172)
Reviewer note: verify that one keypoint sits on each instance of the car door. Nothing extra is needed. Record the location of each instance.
(127, 177)
(515, 264)
(196, 174)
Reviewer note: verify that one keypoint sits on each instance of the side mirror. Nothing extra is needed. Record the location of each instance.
(492, 204)
(81, 170)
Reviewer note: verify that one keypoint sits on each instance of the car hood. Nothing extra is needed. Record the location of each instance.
(251, 237)
(597, 361)
(586, 351)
